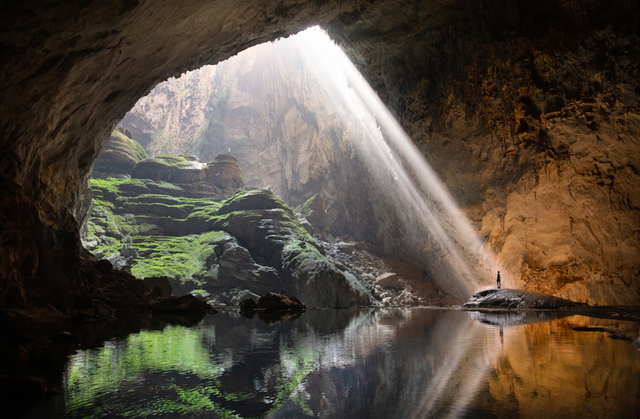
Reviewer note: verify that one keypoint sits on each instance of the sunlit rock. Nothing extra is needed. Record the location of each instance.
(118, 157)
(517, 299)
(224, 172)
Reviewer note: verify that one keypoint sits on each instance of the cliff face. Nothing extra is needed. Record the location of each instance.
(529, 114)
(269, 108)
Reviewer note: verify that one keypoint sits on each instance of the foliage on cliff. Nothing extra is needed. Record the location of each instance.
(250, 243)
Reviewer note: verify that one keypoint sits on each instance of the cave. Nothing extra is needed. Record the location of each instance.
(527, 111)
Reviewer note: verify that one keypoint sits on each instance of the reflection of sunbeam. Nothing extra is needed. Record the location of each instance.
(461, 372)
(424, 202)
(471, 385)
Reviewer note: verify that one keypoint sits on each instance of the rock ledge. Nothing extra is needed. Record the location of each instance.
(510, 298)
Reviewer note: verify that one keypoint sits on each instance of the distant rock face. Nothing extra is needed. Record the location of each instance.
(221, 177)
(268, 107)
(118, 157)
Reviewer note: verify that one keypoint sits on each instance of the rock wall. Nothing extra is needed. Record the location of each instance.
(529, 114)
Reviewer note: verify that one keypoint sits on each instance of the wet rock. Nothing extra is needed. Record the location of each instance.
(161, 282)
(248, 304)
(278, 302)
(178, 305)
(517, 299)
(238, 269)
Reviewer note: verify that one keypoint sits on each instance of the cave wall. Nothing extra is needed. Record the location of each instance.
(529, 114)
(521, 100)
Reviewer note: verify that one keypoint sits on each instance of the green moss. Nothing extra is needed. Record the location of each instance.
(125, 147)
(181, 258)
(305, 209)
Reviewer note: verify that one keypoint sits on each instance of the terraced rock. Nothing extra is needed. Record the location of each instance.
(221, 251)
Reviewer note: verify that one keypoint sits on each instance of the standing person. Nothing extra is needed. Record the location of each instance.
(498, 279)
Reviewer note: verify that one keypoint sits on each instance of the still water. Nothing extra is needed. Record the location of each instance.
(366, 363)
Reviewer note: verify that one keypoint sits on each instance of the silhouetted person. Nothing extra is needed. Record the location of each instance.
(498, 279)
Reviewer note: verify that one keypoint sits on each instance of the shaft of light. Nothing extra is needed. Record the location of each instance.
(472, 263)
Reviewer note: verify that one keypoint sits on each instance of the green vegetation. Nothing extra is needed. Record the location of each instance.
(125, 147)
(181, 238)
(119, 155)
(305, 208)
(181, 258)
(184, 161)
(138, 209)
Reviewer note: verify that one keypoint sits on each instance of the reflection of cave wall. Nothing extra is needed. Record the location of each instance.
(72, 69)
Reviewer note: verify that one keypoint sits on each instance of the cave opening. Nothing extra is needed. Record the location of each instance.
(293, 117)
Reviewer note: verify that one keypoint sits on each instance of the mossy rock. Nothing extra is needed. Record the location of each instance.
(171, 168)
(118, 156)
(280, 255)
(253, 199)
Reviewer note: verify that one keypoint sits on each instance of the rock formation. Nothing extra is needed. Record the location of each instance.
(223, 251)
(268, 106)
(219, 178)
(118, 156)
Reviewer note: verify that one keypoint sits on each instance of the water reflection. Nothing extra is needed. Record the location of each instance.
(360, 363)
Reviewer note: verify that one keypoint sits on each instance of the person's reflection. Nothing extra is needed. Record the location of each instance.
(501, 336)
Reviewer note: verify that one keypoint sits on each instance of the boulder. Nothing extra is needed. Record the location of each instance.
(314, 211)
(277, 302)
(248, 304)
(118, 157)
(268, 228)
(238, 269)
(224, 172)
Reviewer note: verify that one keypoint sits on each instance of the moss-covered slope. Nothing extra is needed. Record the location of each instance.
(220, 250)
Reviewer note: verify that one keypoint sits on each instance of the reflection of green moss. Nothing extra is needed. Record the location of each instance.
(178, 372)
(121, 367)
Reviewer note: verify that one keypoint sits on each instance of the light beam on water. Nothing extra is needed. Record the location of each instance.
(459, 261)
